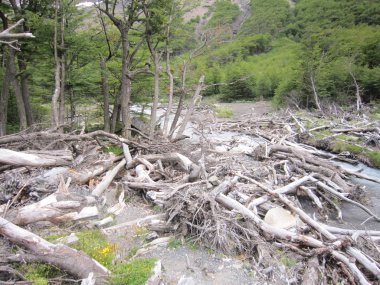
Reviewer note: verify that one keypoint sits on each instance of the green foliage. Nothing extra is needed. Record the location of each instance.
(94, 243)
(135, 272)
(116, 150)
(268, 17)
(223, 112)
(37, 273)
(174, 243)
(340, 146)
(374, 158)
(224, 12)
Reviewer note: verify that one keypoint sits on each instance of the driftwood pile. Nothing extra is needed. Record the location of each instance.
(240, 203)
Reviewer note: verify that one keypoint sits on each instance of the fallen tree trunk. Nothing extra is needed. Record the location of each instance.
(75, 262)
(37, 159)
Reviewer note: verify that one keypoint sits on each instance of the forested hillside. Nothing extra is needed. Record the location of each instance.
(307, 53)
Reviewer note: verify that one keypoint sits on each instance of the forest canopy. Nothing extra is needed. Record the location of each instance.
(284, 51)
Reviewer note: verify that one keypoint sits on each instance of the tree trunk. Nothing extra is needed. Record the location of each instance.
(105, 93)
(72, 105)
(358, 98)
(4, 96)
(125, 83)
(57, 75)
(181, 99)
(62, 93)
(63, 69)
(17, 91)
(25, 89)
(191, 107)
(316, 97)
(116, 112)
(170, 95)
(153, 115)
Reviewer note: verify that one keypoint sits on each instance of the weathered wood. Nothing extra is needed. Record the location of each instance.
(53, 158)
(58, 255)
(344, 198)
(107, 180)
(287, 235)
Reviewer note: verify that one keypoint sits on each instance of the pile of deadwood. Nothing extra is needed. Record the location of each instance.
(236, 202)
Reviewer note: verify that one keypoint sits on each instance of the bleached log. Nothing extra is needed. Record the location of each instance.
(184, 162)
(312, 196)
(336, 230)
(356, 130)
(58, 255)
(88, 174)
(361, 175)
(61, 206)
(127, 153)
(138, 222)
(107, 180)
(142, 174)
(53, 158)
(291, 187)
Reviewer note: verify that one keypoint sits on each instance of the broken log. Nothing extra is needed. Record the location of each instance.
(75, 262)
(36, 159)
(107, 180)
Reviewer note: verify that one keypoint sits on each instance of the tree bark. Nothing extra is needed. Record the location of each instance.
(181, 99)
(24, 78)
(316, 97)
(38, 159)
(170, 95)
(57, 72)
(153, 115)
(191, 107)
(357, 93)
(105, 93)
(17, 91)
(125, 83)
(4, 96)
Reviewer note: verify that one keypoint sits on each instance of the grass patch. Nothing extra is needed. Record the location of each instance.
(174, 243)
(340, 146)
(116, 150)
(53, 238)
(94, 243)
(374, 158)
(223, 112)
(38, 273)
(135, 272)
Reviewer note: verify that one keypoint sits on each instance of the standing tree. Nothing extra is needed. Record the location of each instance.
(124, 21)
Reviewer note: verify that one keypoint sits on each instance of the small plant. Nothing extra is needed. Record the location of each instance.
(135, 272)
(37, 273)
(174, 243)
(95, 245)
(192, 245)
(116, 150)
(140, 231)
(224, 112)
(132, 252)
